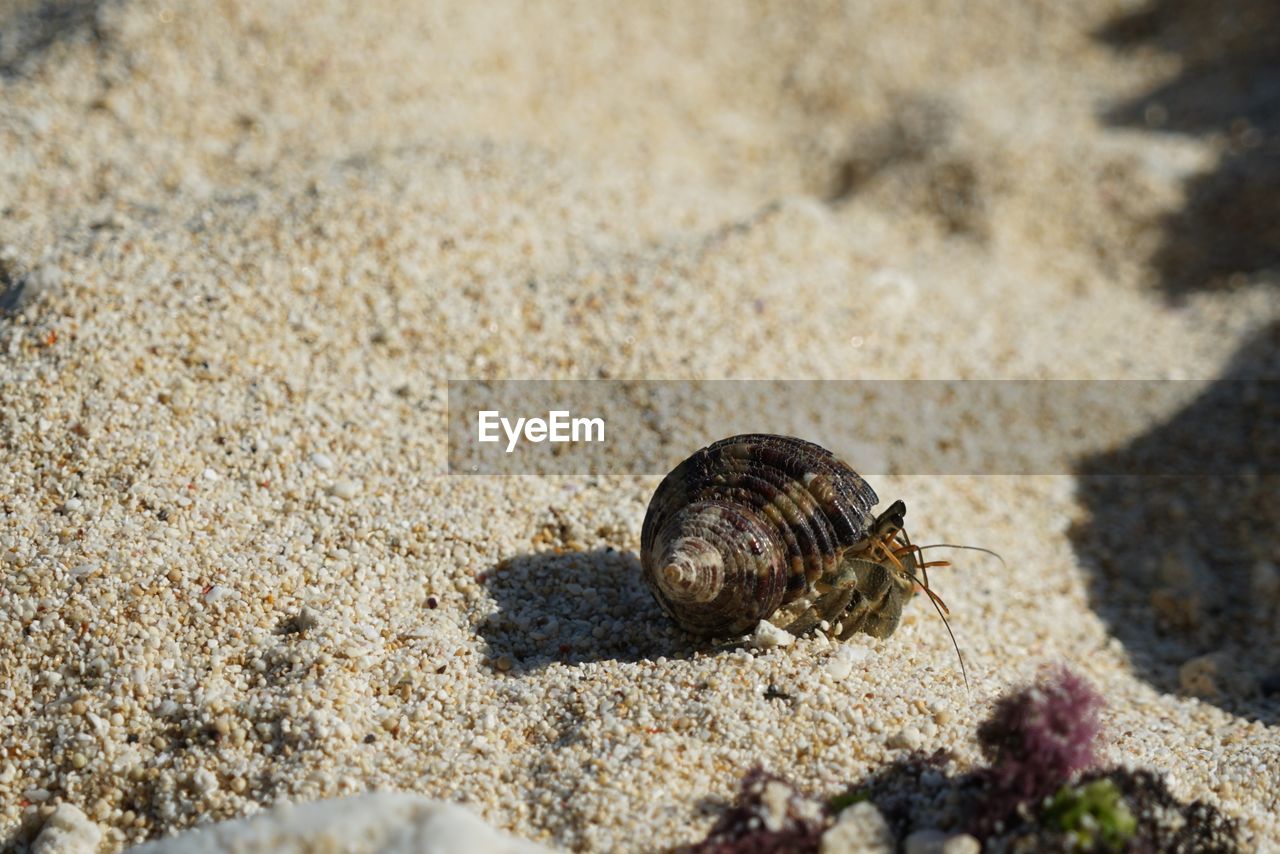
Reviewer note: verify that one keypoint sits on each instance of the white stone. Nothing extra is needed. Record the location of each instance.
(907, 738)
(860, 829)
(345, 489)
(67, 831)
(846, 657)
(767, 636)
(217, 592)
(381, 822)
(839, 667)
(775, 799)
(962, 843)
(1199, 677)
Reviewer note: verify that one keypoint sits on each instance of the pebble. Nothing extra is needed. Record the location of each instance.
(775, 799)
(860, 829)
(845, 658)
(345, 489)
(217, 593)
(907, 738)
(376, 822)
(67, 831)
(1199, 677)
(768, 636)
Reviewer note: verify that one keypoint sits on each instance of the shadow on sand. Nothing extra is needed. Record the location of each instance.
(576, 607)
(1184, 569)
(29, 28)
(1229, 88)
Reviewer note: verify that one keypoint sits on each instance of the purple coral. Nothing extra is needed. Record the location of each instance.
(770, 817)
(1038, 738)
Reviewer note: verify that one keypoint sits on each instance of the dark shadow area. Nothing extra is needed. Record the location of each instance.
(918, 791)
(1229, 227)
(914, 153)
(1184, 569)
(29, 28)
(10, 290)
(576, 607)
(926, 792)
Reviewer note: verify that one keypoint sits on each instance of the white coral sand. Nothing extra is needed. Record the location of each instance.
(246, 245)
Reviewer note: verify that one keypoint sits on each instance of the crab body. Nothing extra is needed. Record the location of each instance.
(764, 527)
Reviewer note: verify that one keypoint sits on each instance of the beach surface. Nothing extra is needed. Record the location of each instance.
(243, 248)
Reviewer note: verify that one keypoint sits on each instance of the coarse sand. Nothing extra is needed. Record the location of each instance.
(243, 246)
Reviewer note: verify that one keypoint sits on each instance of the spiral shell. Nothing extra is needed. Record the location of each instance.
(748, 525)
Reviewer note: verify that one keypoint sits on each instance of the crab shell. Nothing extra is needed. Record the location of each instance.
(747, 526)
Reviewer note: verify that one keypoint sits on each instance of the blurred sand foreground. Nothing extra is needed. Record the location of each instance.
(244, 245)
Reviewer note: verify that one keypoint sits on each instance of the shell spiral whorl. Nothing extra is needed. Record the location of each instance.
(745, 526)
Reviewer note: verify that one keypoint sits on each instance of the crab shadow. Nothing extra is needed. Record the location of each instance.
(1183, 566)
(576, 607)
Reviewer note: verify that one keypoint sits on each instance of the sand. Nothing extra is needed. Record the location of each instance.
(246, 245)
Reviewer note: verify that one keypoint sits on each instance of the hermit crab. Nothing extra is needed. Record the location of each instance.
(764, 527)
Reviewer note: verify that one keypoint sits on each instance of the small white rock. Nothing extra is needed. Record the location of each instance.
(907, 738)
(846, 657)
(775, 799)
(210, 474)
(67, 831)
(962, 843)
(204, 782)
(389, 822)
(321, 461)
(767, 636)
(1199, 677)
(860, 829)
(217, 593)
(345, 489)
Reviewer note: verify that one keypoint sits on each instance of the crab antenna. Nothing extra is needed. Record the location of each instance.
(996, 555)
(924, 570)
(940, 606)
